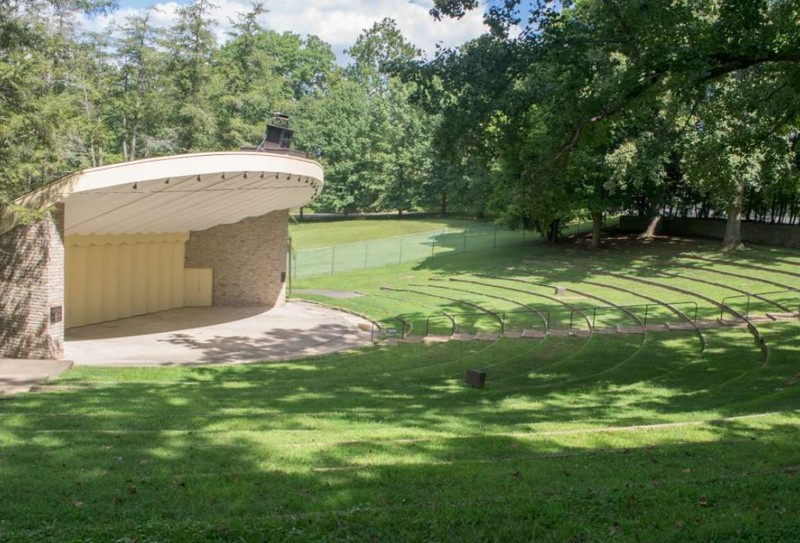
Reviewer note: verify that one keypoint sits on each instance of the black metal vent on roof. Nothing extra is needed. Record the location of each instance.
(278, 134)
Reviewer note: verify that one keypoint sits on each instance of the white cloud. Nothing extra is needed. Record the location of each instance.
(338, 22)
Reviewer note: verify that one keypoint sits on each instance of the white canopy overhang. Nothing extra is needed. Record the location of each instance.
(177, 193)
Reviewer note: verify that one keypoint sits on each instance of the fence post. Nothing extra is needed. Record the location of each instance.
(333, 258)
(366, 254)
(433, 246)
(401, 251)
(747, 308)
(465, 240)
(494, 241)
(289, 265)
(646, 307)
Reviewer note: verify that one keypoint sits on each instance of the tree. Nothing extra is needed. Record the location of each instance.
(337, 127)
(400, 155)
(38, 99)
(140, 87)
(259, 72)
(190, 44)
(559, 91)
(741, 141)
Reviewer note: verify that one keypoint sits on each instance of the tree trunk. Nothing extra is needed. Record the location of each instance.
(597, 228)
(552, 231)
(125, 138)
(733, 226)
(652, 226)
(444, 204)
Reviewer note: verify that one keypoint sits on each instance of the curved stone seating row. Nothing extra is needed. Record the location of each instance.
(729, 287)
(536, 294)
(450, 317)
(742, 276)
(744, 265)
(759, 338)
(500, 316)
(681, 315)
(407, 324)
(517, 303)
(469, 303)
(599, 298)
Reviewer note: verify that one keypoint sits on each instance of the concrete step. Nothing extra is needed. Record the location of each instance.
(730, 322)
(708, 323)
(606, 331)
(534, 334)
(761, 318)
(627, 329)
(780, 316)
(679, 326)
(436, 339)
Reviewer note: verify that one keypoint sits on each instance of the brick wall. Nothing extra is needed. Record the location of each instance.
(248, 259)
(31, 283)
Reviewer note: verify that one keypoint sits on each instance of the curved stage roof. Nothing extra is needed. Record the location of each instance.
(176, 193)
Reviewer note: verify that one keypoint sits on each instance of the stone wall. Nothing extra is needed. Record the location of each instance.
(32, 289)
(757, 233)
(248, 259)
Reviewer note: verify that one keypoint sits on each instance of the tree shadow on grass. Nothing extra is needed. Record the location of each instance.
(572, 259)
(238, 457)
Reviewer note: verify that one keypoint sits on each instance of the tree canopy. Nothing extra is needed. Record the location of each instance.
(572, 98)
(562, 110)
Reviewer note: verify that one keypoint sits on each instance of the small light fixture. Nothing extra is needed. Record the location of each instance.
(167, 181)
(135, 186)
(244, 175)
(198, 179)
(262, 175)
(223, 175)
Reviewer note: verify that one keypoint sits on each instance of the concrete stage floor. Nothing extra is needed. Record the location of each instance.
(217, 335)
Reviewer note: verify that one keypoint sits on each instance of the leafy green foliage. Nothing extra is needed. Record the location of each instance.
(73, 100)
(585, 107)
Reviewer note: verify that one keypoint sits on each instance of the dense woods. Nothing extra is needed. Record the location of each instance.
(562, 110)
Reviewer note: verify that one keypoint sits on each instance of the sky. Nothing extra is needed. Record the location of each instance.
(338, 22)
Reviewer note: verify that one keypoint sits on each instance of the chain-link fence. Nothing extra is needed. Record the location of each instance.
(396, 250)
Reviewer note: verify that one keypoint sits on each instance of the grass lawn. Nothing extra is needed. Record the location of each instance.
(602, 437)
(312, 235)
